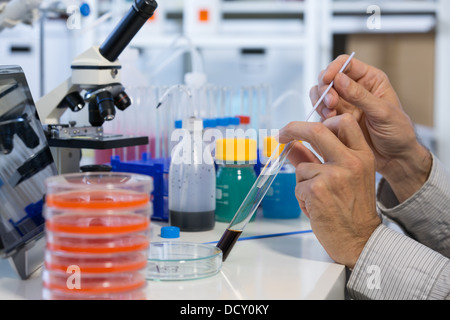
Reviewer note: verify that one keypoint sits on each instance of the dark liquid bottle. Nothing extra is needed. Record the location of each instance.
(192, 182)
(192, 221)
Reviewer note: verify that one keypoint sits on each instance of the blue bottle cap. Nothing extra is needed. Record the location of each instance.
(85, 10)
(209, 123)
(170, 232)
(234, 121)
(222, 122)
(178, 124)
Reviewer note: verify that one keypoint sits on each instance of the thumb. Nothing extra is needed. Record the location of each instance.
(356, 94)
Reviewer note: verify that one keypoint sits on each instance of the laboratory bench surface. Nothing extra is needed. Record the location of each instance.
(273, 260)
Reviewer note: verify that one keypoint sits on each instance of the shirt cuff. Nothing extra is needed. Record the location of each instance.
(393, 266)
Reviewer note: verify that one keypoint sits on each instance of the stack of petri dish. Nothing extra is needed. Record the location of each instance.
(97, 234)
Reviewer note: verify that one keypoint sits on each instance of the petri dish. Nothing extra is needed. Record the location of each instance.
(137, 294)
(96, 263)
(97, 199)
(172, 261)
(103, 182)
(97, 244)
(97, 223)
(94, 283)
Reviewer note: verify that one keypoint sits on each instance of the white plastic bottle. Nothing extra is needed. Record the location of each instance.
(192, 182)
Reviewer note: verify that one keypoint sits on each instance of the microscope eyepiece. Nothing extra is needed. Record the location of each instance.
(127, 28)
(145, 8)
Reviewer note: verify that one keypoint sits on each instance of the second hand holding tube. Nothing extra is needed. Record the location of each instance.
(262, 185)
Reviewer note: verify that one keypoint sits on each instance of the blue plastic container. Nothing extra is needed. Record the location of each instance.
(158, 169)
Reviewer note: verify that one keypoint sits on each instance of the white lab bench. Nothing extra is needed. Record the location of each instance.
(292, 265)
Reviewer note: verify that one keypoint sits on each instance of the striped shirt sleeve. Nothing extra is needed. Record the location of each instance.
(396, 266)
(426, 215)
(393, 266)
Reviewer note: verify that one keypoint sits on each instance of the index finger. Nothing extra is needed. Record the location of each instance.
(317, 135)
(356, 70)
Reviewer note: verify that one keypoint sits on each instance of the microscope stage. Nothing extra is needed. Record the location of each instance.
(102, 143)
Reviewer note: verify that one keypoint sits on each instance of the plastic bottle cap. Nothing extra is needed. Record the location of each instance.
(236, 149)
(222, 122)
(178, 124)
(209, 123)
(270, 145)
(234, 121)
(244, 119)
(85, 10)
(170, 232)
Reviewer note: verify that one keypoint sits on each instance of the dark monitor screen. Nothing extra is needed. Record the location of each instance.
(25, 163)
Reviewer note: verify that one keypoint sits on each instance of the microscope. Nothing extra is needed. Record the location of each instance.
(26, 158)
(95, 81)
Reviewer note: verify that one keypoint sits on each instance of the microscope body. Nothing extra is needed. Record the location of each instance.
(91, 72)
(96, 74)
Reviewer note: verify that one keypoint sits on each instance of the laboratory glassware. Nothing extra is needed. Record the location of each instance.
(169, 261)
(192, 181)
(97, 227)
(236, 159)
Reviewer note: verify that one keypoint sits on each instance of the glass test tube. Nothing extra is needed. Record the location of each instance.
(253, 199)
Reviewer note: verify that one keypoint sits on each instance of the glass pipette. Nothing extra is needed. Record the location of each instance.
(262, 185)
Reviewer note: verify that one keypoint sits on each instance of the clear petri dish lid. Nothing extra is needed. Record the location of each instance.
(99, 180)
(172, 261)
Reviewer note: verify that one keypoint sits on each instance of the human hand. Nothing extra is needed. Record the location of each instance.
(338, 196)
(366, 93)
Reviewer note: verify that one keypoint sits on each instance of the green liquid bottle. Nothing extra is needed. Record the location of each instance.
(235, 175)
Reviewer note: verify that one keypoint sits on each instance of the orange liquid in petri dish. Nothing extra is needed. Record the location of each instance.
(97, 212)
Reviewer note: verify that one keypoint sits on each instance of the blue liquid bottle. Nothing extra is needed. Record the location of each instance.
(235, 176)
(280, 201)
